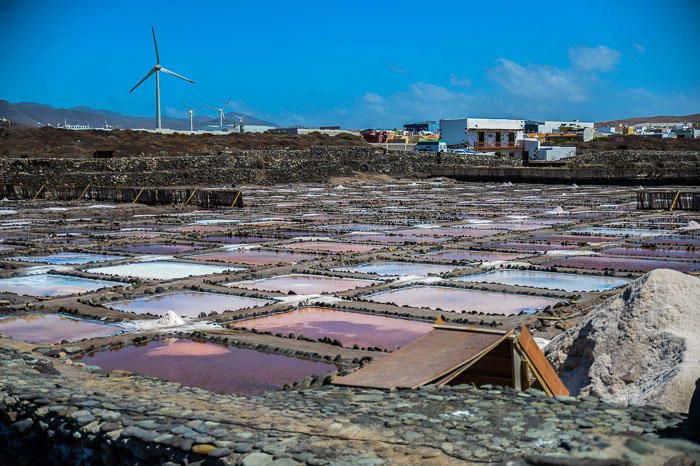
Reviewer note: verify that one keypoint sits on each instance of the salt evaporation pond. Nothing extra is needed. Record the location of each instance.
(68, 258)
(186, 303)
(543, 279)
(52, 285)
(619, 231)
(331, 246)
(400, 269)
(476, 256)
(210, 366)
(162, 249)
(653, 252)
(622, 263)
(53, 328)
(461, 300)
(304, 284)
(161, 269)
(349, 328)
(255, 257)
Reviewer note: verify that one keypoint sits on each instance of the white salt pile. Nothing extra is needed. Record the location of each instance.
(558, 211)
(692, 225)
(640, 346)
(170, 319)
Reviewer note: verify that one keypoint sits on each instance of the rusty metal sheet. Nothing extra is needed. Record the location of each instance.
(425, 360)
(543, 369)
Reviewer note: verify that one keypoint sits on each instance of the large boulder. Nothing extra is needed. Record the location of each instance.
(640, 346)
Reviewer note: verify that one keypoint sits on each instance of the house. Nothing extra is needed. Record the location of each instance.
(534, 150)
(560, 131)
(484, 134)
(453, 355)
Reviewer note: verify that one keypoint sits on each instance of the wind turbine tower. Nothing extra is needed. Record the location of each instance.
(191, 111)
(157, 70)
(222, 117)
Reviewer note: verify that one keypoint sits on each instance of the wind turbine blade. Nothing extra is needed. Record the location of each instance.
(226, 103)
(155, 44)
(153, 70)
(167, 71)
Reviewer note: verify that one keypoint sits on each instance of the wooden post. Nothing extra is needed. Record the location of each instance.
(191, 196)
(236, 199)
(84, 191)
(675, 200)
(36, 196)
(137, 196)
(517, 367)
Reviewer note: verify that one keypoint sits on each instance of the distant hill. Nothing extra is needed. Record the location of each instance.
(695, 117)
(32, 114)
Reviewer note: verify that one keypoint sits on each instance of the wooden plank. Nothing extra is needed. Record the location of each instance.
(425, 360)
(544, 372)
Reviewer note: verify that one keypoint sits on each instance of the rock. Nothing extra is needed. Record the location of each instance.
(23, 425)
(640, 346)
(257, 459)
(243, 447)
(203, 448)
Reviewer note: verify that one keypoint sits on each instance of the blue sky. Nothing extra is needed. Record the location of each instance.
(359, 63)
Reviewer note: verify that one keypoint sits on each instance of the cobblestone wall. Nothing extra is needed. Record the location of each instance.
(82, 414)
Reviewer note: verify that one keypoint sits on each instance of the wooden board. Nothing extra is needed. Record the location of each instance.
(540, 364)
(425, 360)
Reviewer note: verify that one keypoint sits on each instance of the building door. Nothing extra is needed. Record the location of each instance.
(498, 139)
(481, 138)
(511, 139)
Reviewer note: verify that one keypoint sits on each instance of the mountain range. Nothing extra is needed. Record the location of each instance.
(695, 117)
(32, 114)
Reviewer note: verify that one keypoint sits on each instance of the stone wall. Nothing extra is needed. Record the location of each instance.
(317, 164)
(56, 412)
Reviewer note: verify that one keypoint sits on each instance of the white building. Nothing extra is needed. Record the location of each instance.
(484, 134)
(535, 151)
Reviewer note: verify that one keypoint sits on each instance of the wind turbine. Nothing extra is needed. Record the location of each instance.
(157, 69)
(222, 117)
(191, 111)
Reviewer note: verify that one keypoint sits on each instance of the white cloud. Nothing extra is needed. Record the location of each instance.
(398, 69)
(419, 102)
(457, 81)
(599, 58)
(538, 82)
(639, 47)
(372, 98)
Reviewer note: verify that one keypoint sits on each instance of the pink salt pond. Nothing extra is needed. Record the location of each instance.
(213, 367)
(655, 252)
(462, 300)
(53, 328)
(350, 328)
(165, 249)
(331, 246)
(304, 284)
(622, 263)
(255, 257)
(477, 256)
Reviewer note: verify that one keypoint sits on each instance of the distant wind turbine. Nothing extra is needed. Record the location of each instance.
(157, 69)
(222, 117)
(191, 111)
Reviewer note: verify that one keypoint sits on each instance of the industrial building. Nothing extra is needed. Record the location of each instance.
(428, 126)
(484, 134)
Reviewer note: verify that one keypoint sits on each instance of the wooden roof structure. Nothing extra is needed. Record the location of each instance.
(452, 355)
